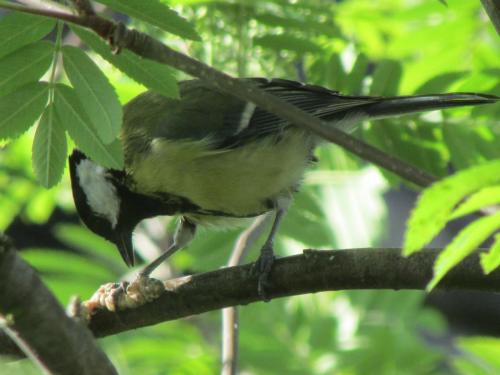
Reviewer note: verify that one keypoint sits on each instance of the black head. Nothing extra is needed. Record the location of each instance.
(98, 196)
(110, 209)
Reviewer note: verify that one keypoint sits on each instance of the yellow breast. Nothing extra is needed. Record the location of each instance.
(238, 181)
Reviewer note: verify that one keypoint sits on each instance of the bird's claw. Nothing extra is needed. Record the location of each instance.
(262, 267)
(125, 295)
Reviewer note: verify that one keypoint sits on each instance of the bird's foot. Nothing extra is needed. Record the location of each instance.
(262, 267)
(125, 295)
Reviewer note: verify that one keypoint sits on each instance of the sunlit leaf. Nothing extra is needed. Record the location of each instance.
(28, 64)
(19, 29)
(488, 196)
(158, 77)
(480, 355)
(435, 204)
(49, 149)
(21, 108)
(82, 131)
(94, 92)
(466, 241)
(156, 13)
(491, 260)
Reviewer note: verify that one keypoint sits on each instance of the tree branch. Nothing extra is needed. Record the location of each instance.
(34, 320)
(314, 271)
(230, 325)
(144, 45)
(492, 8)
(311, 272)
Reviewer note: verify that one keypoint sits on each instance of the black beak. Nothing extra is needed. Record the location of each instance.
(124, 244)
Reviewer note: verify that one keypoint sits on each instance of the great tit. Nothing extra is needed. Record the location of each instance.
(212, 158)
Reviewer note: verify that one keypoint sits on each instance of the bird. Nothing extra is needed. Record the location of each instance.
(214, 160)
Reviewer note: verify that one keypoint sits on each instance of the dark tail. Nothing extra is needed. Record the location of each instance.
(395, 106)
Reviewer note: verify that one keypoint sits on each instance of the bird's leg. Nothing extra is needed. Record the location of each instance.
(183, 235)
(124, 295)
(264, 263)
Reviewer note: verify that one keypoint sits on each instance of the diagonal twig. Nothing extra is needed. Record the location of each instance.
(144, 45)
(230, 323)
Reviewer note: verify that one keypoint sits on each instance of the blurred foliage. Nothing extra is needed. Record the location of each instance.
(394, 47)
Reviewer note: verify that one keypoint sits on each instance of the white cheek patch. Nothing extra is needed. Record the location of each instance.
(100, 192)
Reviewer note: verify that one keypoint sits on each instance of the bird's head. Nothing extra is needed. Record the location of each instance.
(100, 197)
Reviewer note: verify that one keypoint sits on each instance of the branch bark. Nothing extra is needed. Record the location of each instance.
(313, 271)
(35, 321)
(492, 8)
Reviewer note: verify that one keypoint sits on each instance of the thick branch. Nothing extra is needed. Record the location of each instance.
(148, 47)
(313, 271)
(492, 7)
(33, 318)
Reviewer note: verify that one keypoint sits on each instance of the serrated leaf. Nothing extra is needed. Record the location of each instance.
(19, 29)
(94, 91)
(386, 78)
(158, 77)
(20, 109)
(491, 260)
(435, 204)
(156, 13)
(49, 149)
(27, 64)
(71, 114)
(286, 42)
(488, 196)
(465, 242)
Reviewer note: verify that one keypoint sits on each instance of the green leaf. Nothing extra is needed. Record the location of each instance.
(435, 204)
(463, 244)
(156, 13)
(491, 260)
(287, 42)
(49, 149)
(439, 83)
(357, 75)
(386, 78)
(94, 91)
(302, 24)
(488, 196)
(158, 77)
(72, 115)
(19, 29)
(20, 109)
(27, 64)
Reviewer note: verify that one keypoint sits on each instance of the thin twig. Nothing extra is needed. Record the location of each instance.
(492, 8)
(230, 314)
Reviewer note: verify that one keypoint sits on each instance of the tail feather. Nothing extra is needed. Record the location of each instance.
(396, 106)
